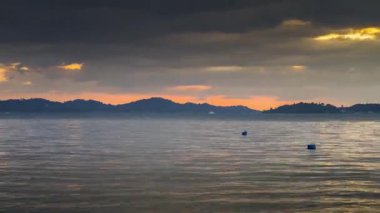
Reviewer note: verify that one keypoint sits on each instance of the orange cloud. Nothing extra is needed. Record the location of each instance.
(361, 34)
(194, 88)
(3, 73)
(298, 68)
(6, 68)
(72, 67)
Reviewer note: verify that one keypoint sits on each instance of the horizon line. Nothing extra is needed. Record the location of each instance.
(153, 97)
(188, 102)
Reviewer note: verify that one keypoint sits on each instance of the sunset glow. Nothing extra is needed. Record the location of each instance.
(254, 102)
(3, 75)
(258, 55)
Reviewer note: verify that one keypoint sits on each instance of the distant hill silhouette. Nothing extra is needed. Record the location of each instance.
(86, 105)
(325, 108)
(152, 105)
(305, 108)
(164, 105)
(364, 108)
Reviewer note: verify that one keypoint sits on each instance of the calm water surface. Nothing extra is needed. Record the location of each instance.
(188, 165)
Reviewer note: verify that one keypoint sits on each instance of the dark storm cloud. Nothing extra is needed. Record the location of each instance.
(128, 21)
(86, 20)
(81, 30)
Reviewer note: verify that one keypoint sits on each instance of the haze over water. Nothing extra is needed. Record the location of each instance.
(188, 165)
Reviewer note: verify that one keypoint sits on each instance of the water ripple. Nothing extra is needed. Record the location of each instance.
(161, 165)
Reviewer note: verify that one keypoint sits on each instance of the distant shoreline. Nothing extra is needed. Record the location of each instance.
(165, 106)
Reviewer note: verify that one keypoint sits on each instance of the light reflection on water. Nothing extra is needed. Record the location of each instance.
(162, 165)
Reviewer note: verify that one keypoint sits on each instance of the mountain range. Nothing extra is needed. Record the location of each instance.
(161, 105)
(151, 105)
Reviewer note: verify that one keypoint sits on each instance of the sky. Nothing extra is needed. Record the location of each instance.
(257, 53)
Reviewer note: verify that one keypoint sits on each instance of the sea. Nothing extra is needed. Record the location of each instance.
(122, 163)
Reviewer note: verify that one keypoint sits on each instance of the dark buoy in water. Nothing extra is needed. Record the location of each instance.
(311, 147)
(244, 133)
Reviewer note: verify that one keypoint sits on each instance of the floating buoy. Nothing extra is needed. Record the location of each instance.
(244, 133)
(311, 146)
